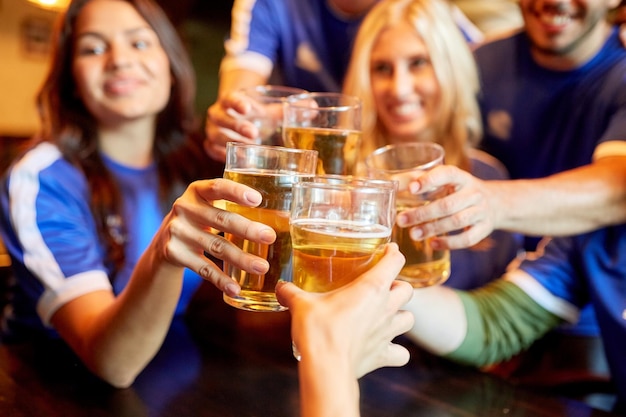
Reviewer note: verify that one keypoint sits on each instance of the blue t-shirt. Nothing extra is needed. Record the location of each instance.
(589, 268)
(51, 235)
(539, 122)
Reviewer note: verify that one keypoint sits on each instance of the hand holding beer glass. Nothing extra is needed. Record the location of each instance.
(329, 123)
(271, 170)
(424, 266)
(266, 111)
(339, 230)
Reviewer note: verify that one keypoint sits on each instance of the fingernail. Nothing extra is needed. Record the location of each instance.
(414, 187)
(253, 198)
(267, 235)
(402, 220)
(260, 267)
(249, 131)
(231, 290)
(416, 233)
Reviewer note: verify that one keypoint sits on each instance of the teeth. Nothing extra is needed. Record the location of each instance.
(555, 19)
(404, 109)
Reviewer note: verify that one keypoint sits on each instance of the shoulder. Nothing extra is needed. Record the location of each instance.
(43, 168)
(502, 43)
(42, 156)
(486, 167)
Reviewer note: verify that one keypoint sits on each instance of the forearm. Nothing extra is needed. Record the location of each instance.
(440, 322)
(117, 337)
(327, 387)
(236, 79)
(146, 309)
(479, 327)
(502, 321)
(572, 202)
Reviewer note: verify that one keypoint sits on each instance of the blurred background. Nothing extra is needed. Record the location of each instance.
(25, 28)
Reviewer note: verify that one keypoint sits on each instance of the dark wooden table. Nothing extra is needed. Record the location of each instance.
(225, 362)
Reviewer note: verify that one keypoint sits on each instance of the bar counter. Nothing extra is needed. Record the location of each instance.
(223, 362)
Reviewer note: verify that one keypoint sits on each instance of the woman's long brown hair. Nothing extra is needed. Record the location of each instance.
(67, 123)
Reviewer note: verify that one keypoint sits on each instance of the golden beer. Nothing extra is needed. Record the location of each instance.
(329, 254)
(424, 266)
(337, 148)
(258, 290)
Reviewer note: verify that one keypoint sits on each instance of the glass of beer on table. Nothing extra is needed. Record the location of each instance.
(329, 123)
(403, 162)
(271, 170)
(339, 229)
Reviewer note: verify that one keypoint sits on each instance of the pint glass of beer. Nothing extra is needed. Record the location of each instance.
(339, 228)
(271, 170)
(424, 266)
(329, 123)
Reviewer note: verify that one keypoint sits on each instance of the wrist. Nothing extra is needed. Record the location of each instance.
(328, 387)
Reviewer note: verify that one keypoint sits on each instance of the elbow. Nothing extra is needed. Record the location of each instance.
(120, 375)
(123, 379)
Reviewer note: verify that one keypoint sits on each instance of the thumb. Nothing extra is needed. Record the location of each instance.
(286, 292)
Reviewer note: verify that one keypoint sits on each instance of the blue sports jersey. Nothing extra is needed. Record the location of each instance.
(299, 43)
(52, 237)
(302, 41)
(589, 268)
(539, 122)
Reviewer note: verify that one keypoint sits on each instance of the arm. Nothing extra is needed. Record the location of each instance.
(117, 336)
(346, 333)
(480, 327)
(250, 57)
(571, 202)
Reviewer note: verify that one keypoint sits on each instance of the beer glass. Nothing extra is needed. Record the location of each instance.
(339, 229)
(330, 123)
(424, 266)
(271, 170)
(266, 112)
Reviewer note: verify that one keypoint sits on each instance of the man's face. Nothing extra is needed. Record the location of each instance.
(570, 29)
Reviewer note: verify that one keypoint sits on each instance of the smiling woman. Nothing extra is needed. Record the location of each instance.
(421, 86)
(99, 261)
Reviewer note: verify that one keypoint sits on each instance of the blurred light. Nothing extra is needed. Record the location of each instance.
(51, 4)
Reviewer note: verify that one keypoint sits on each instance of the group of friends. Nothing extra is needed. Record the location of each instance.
(108, 216)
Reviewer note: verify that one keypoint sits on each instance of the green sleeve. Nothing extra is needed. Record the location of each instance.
(502, 320)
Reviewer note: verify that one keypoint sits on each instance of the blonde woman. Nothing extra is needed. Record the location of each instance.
(416, 76)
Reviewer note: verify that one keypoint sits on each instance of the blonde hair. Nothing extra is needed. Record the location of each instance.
(457, 125)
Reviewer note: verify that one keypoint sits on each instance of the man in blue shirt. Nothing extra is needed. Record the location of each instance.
(553, 104)
(554, 109)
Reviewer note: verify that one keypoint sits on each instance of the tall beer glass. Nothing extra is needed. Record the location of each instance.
(424, 266)
(330, 123)
(338, 231)
(271, 170)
